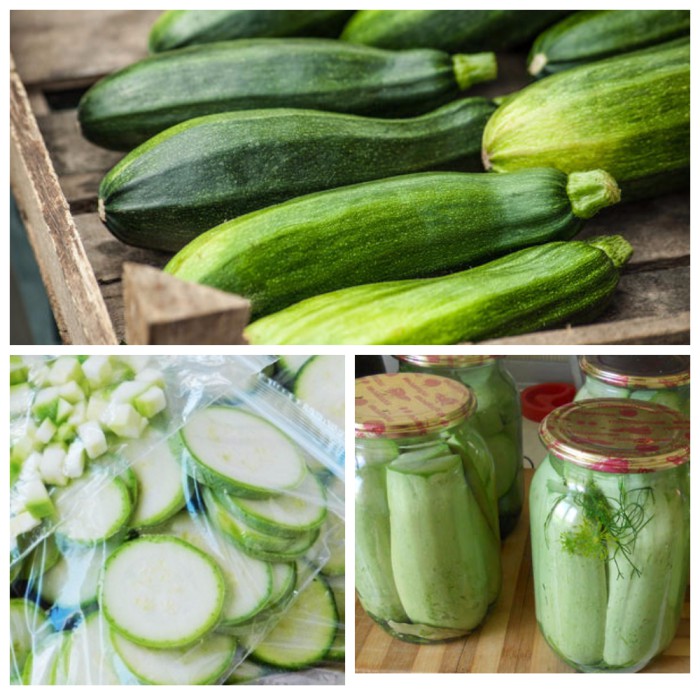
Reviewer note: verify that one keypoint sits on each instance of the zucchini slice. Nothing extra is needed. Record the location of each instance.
(321, 384)
(162, 592)
(40, 667)
(242, 453)
(299, 510)
(202, 663)
(28, 623)
(337, 650)
(249, 582)
(305, 633)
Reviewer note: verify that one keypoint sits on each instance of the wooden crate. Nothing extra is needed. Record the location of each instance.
(508, 642)
(55, 174)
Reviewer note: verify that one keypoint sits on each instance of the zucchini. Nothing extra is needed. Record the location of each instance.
(402, 227)
(524, 291)
(177, 28)
(28, 625)
(208, 170)
(321, 384)
(592, 35)
(128, 107)
(629, 115)
(451, 30)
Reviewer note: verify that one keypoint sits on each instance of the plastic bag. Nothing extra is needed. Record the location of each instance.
(164, 521)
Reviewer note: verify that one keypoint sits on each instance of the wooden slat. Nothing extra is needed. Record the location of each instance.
(72, 48)
(508, 642)
(79, 309)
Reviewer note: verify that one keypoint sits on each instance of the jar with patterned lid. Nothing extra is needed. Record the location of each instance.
(427, 544)
(609, 517)
(498, 418)
(663, 379)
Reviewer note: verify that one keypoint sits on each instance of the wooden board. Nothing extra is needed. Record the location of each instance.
(58, 51)
(508, 642)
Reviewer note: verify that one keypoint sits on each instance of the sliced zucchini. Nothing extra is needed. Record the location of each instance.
(249, 582)
(321, 384)
(28, 624)
(242, 453)
(337, 650)
(247, 672)
(92, 508)
(305, 633)
(41, 665)
(162, 592)
(202, 663)
(42, 558)
(298, 510)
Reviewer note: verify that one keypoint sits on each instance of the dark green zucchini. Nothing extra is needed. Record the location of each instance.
(177, 28)
(402, 227)
(529, 290)
(208, 170)
(128, 107)
(448, 30)
(593, 35)
(629, 115)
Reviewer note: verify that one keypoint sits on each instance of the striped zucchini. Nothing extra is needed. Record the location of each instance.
(629, 115)
(177, 28)
(208, 170)
(402, 227)
(448, 30)
(593, 35)
(525, 291)
(137, 102)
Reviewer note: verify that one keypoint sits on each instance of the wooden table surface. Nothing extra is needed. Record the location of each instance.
(509, 641)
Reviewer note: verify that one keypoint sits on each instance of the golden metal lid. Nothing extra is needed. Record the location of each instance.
(617, 435)
(638, 371)
(447, 360)
(409, 404)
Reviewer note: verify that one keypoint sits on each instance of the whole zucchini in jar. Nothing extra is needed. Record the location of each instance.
(528, 290)
(398, 228)
(593, 35)
(208, 170)
(629, 115)
(448, 30)
(177, 28)
(128, 107)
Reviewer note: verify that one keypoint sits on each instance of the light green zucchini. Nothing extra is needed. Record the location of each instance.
(398, 228)
(208, 170)
(629, 115)
(524, 291)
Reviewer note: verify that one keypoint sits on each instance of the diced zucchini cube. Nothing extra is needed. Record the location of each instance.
(66, 433)
(150, 402)
(71, 391)
(39, 374)
(46, 431)
(152, 377)
(97, 406)
(125, 421)
(63, 411)
(79, 415)
(51, 467)
(19, 372)
(98, 370)
(74, 464)
(64, 370)
(15, 468)
(37, 499)
(127, 392)
(93, 439)
(46, 404)
(21, 523)
(31, 465)
(136, 363)
(25, 446)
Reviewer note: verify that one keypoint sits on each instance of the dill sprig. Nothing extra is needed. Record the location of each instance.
(610, 526)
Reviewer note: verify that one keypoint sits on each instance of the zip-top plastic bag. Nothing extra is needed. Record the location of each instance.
(165, 527)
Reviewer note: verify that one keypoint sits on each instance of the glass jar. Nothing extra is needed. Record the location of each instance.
(498, 417)
(609, 515)
(427, 545)
(663, 379)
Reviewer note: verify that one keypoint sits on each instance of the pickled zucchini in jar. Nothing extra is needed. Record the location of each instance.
(609, 516)
(663, 379)
(498, 418)
(427, 542)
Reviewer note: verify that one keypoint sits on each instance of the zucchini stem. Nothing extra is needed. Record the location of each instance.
(615, 247)
(591, 191)
(474, 68)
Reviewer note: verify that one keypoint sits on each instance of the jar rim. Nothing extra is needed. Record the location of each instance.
(638, 371)
(617, 435)
(406, 404)
(448, 360)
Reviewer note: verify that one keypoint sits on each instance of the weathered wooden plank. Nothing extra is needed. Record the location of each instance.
(71, 48)
(75, 298)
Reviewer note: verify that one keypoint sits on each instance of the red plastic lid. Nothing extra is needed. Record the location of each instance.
(541, 399)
